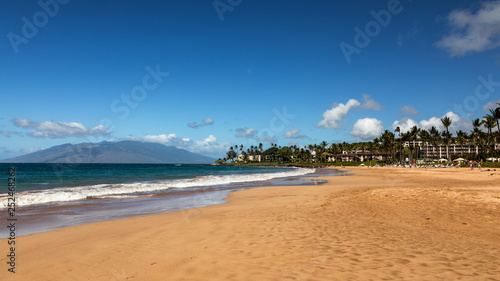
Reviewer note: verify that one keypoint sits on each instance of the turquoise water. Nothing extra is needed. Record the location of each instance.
(41, 176)
(52, 196)
(59, 183)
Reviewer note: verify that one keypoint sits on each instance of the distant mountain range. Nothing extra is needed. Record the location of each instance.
(113, 152)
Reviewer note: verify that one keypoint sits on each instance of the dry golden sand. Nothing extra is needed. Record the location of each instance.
(380, 224)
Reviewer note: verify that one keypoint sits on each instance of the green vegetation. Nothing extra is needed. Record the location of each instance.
(385, 149)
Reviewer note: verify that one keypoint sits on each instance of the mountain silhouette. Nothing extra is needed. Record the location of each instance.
(113, 152)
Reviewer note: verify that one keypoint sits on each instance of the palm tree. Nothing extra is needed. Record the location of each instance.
(476, 134)
(447, 123)
(387, 139)
(231, 154)
(398, 130)
(317, 151)
(322, 149)
(310, 148)
(461, 137)
(414, 136)
(323, 144)
(496, 116)
(435, 137)
(371, 147)
(334, 148)
(424, 137)
(476, 123)
(489, 123)
(406, 137)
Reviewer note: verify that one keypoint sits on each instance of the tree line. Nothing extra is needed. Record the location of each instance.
(387, 143)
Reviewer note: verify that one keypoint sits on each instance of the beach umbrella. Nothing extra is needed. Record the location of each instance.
(459, 160)
(491, 159)
(442, 160)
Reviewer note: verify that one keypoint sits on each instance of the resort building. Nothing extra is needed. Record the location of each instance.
(425, 150)
(428, 151)
(357, 156)
(251, 158)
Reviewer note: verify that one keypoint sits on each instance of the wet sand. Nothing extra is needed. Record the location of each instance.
(379, 224)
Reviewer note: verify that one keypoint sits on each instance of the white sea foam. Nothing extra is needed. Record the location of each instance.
(124, 190)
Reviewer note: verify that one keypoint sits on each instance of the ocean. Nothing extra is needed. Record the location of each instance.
(51, 196)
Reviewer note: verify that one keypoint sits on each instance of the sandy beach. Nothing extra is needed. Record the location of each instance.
(378, 224)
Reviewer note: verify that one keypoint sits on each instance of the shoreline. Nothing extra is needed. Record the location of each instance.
(379, 223)
(46, 217)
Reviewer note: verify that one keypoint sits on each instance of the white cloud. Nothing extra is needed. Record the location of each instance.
(367, 129)
(491, 105)
(245, 133)
(205, 122)
(408, 110)
(433, 121)
(404, 124)
(473, 32)
(210, 139)
(462, 123)
(369, 103)
(457, 123)
(333, 116)
(54, 130)
(209, 146)
(294, 134)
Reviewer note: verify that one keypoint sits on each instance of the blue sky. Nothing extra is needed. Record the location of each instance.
(205, 75)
